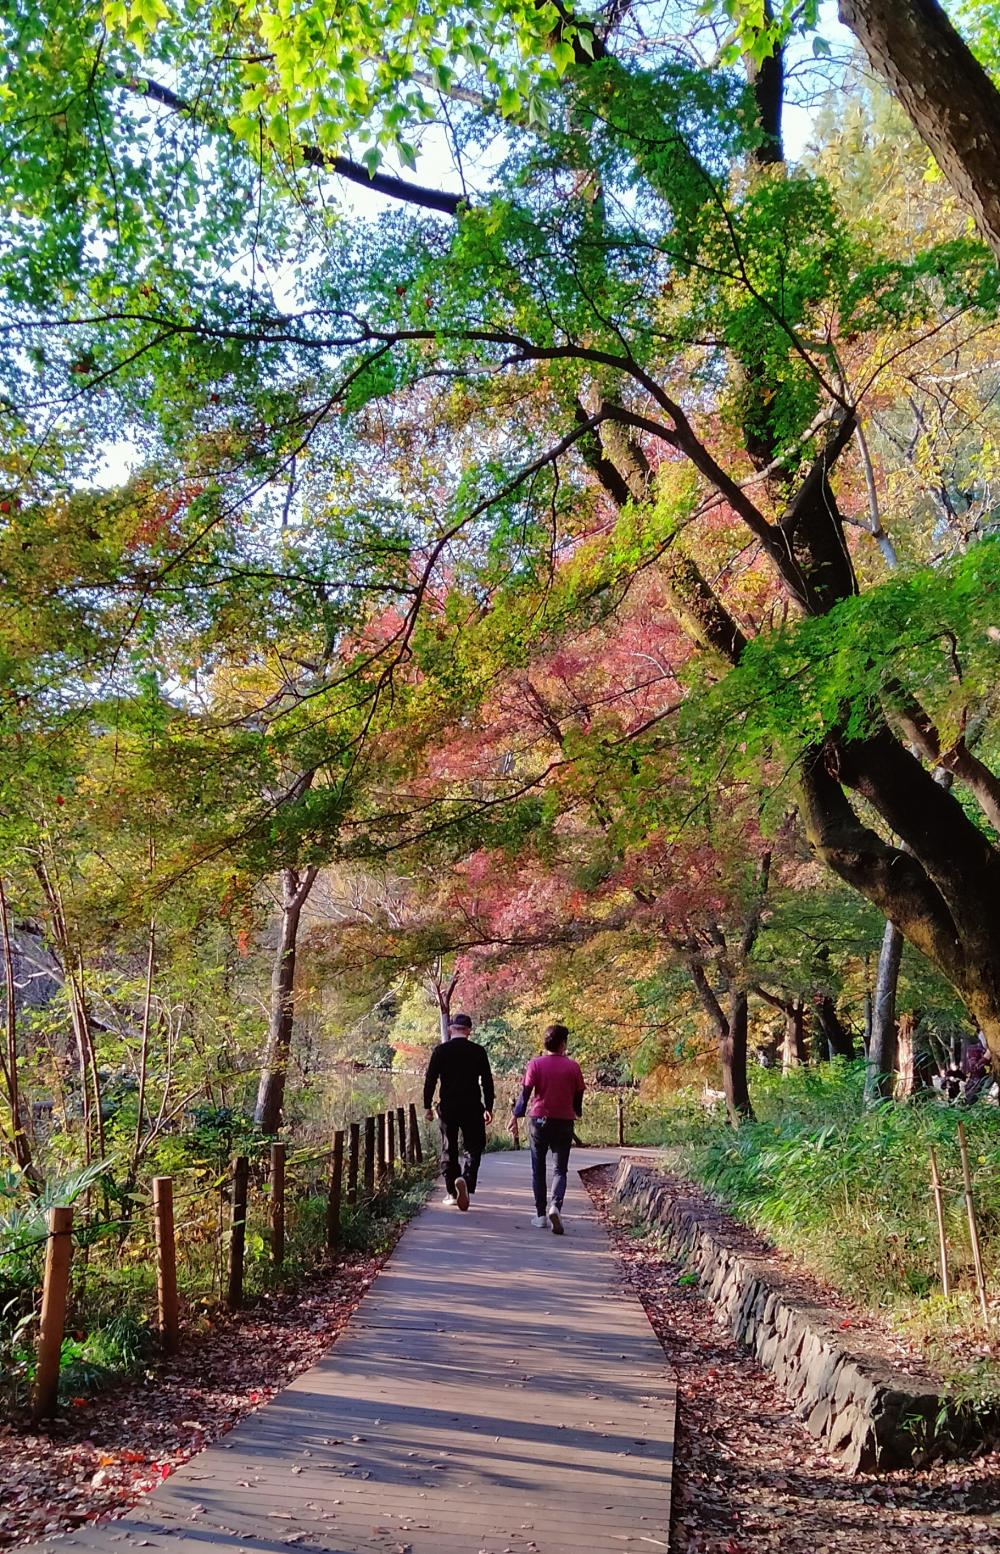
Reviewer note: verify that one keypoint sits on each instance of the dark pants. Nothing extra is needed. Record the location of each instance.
(473, 1131)
(550, 1133)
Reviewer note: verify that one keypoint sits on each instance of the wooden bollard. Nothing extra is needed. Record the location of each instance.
(166, 1263)
(416, 1148)
(382, 1156)
(55, 1291)
(621, 1121)
(238, 1232)
(353, 1157)
(369, 1157)
(390, 1142)
(970, 1208)
(939, 1216)
(401, 1135)
(336, 1190)
(278, 1156)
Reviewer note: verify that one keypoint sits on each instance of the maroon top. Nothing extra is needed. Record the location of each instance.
(558, 1085)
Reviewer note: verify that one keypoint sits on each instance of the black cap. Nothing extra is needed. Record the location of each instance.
(461, 1022)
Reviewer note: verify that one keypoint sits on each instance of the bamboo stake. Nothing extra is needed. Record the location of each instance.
(939, 1214)
(166, 1262)
(977, 1256)
(55, 1290)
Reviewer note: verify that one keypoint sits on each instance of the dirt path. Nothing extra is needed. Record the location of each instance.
(749, 1476)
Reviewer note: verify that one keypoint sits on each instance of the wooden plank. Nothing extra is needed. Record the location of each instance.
(336, 1192)
(279, 1152)
(369, 1158)
(353, 1157)
(238, 1232)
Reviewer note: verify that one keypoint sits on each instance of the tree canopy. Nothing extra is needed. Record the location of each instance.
(474, 505)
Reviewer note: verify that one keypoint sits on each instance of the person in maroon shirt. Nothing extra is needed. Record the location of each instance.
(553, 1095)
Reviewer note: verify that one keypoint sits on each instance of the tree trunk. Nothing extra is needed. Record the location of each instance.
(274, 1068)
(839, 1040)
(20, 1144)
(882, 1048)
(793, 1050)
(731, 1032)
(940, 885)
(909, 1079)
(444, 992)
(72, 968)
(948, 95)
(733, 1056)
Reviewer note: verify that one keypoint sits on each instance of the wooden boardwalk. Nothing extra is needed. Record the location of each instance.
(496, 1391)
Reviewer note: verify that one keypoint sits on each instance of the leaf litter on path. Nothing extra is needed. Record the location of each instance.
(104, 1452)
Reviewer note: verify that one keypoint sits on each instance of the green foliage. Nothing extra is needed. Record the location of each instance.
(929, 630)
(846, 1188)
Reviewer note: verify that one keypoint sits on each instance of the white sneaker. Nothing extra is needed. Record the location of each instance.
(448, 1202)
(462, 1193)
(555, 1220)
(539, 1221)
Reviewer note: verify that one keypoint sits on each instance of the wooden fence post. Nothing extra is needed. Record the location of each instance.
(382, 1157)
(58, 1254)
(278, 1155)
(166, 1262)
(390, 1143)
(416, 1148)
(238, 1232)
(336, 1191)
(939, 1215)
(401, 1135)
(977, 1256)
(369, 1157)
(353, 1157)
(621, 1121)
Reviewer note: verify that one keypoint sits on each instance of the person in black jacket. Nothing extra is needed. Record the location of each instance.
(462, 1069)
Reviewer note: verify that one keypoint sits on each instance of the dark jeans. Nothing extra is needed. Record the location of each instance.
(473, 1131)
(550, 1133)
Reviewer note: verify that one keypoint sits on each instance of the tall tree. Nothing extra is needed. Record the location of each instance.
(953, 102)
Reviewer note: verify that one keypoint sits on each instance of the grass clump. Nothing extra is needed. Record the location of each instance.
(846, 1190)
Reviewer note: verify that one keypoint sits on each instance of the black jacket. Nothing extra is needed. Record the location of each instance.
(462, 1068)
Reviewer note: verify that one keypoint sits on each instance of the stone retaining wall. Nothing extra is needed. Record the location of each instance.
(865, 1413)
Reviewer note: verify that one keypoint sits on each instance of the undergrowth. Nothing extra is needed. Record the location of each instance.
(110, 1322)
(846, 1190)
